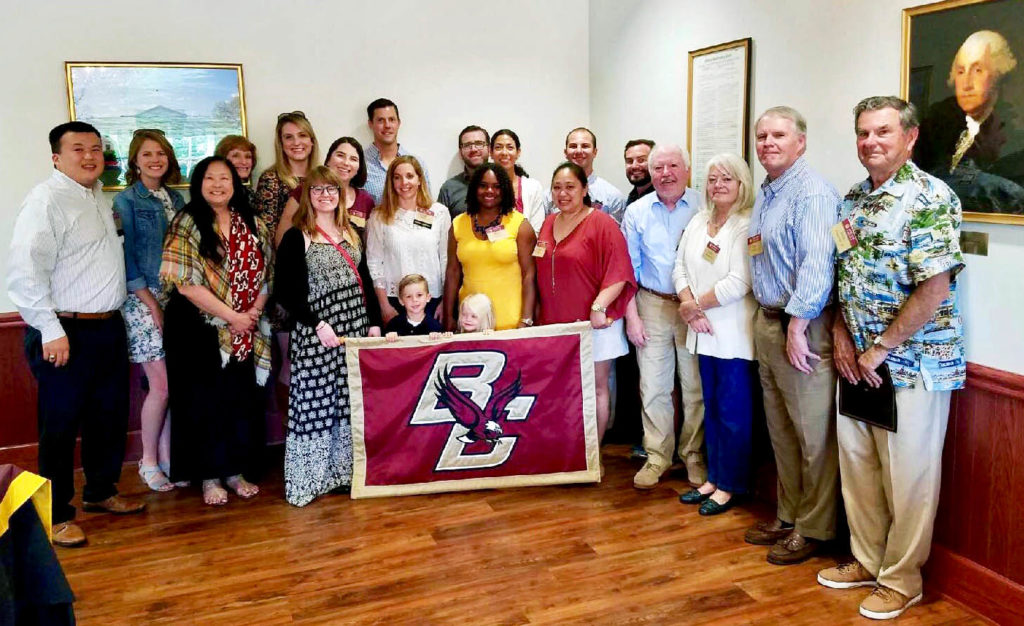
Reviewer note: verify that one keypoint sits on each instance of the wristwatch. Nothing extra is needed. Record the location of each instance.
(878, 342)
(527, 321)
(597, 308)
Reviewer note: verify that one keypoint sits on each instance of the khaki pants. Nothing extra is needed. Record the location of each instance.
(660, 360)
(800, 410)
(891, 486)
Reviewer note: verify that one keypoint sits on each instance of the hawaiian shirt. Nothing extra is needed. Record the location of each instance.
(907, 231)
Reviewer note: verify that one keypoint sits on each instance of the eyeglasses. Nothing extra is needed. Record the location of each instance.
(291, 114)
(330, 190)
(148, 130)
(479, 145)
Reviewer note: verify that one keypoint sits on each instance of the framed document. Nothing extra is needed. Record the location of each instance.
(962, 69)
(718, 105)
(193, 104)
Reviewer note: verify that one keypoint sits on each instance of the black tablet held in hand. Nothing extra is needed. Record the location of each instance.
(867, 404)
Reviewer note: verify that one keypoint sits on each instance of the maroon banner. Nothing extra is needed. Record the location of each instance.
(474, 411)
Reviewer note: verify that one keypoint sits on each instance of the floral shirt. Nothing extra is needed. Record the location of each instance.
(907, 231)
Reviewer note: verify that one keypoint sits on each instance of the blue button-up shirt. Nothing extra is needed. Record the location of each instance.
(603, 195)
(652, 232)
(794, 215)
(376, 172)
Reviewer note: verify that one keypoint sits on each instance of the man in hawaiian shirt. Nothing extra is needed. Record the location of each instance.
(897, 256)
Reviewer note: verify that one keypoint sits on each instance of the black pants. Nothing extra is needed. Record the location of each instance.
(89, 393)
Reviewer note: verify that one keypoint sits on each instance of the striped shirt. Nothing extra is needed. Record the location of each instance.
(794, 215)
(376, 172)
(66, 255)
(652, 233)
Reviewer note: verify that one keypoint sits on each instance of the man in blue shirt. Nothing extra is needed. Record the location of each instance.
(383, 120)
(897, 263)
(652, 226)
(791, 258)
(581, 149)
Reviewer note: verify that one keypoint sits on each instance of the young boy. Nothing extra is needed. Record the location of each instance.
(414, 294)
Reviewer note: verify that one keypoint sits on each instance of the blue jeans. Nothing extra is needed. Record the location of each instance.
(729, 386)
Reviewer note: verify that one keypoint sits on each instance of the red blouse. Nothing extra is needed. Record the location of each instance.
(572, 273)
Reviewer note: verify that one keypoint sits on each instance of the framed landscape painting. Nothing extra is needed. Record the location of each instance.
(962, 69)
(195, 105)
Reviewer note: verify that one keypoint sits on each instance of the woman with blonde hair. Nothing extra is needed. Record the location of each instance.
(319, 286)
(145, 208)
(712, 278)
(407, 234)
(295, 152)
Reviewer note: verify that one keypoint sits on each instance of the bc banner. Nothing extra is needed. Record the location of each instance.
(476, 411)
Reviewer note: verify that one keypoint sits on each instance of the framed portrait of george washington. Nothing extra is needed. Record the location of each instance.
(963, 68)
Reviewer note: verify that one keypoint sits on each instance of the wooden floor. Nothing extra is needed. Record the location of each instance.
(602, 554)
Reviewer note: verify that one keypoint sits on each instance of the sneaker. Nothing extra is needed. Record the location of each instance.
(648, 476)
(846, 576)
(886, 603)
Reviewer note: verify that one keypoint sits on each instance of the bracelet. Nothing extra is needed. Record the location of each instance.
(527, 320)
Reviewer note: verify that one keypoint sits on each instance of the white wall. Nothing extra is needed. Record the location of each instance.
(819, 57)
(520, 64)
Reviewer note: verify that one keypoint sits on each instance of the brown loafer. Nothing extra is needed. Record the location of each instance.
(115, 504)
(767, 533)
(68, 535)
(793, 549)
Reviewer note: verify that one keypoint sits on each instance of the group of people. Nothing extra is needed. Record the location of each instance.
(737, 293)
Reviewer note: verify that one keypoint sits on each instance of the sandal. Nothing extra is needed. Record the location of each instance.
(213, 493)
(165, 467)
(242, 488)
(154, 478)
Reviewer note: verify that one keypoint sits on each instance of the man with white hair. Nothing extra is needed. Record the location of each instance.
(652, 226)
(963, 137)
(791, 262)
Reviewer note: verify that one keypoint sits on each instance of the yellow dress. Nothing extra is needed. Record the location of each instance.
(492, 268)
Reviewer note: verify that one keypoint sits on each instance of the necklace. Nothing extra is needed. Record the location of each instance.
(483, 229)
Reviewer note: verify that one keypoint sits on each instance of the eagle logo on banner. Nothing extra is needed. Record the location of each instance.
(463, 393)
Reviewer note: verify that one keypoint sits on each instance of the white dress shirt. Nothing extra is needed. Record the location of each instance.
(729, 276)
(533, 201)
(65, 255)
(401, 248)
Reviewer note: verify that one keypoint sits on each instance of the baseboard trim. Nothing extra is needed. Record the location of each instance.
(979, 589)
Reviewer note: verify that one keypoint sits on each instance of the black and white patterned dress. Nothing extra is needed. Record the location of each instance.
(318, 447)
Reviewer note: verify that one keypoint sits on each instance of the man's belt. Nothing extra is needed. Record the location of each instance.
(772, 314)
(87, 316)
(671, 297)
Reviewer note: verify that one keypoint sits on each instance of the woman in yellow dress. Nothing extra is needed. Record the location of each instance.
(490, 251)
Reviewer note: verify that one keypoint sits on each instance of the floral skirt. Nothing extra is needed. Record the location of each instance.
(145, 341)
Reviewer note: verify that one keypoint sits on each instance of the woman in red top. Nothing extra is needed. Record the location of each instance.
(584, 273)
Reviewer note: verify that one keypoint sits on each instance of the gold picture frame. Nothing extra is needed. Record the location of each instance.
(721, 105)
(987, 172)
(194, 104)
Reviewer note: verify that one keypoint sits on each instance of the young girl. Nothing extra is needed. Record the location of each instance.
(476, 314)
(145, 208)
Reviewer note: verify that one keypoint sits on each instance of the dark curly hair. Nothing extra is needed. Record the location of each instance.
(508, 196)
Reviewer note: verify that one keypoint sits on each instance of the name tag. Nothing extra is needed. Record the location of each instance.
(754, 246)
(496, 233)
(843, 235)
(540, 249)
(711, 252)
(423, 219)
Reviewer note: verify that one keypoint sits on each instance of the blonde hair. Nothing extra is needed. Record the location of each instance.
(389, 201)
(173, 174)
(737, 168)
(480, 304)
(280, 165)
(305, 215)
(412, 279)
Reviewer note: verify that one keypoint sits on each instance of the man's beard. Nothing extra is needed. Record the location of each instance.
(643, 182)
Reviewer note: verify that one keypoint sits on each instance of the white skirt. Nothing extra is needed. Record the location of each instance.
(609, 343)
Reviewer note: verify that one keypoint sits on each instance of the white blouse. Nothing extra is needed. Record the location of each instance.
(729, 276)
(400, 248)
(533, 202)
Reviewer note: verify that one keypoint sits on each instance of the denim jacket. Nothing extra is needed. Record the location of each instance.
(144, 223)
